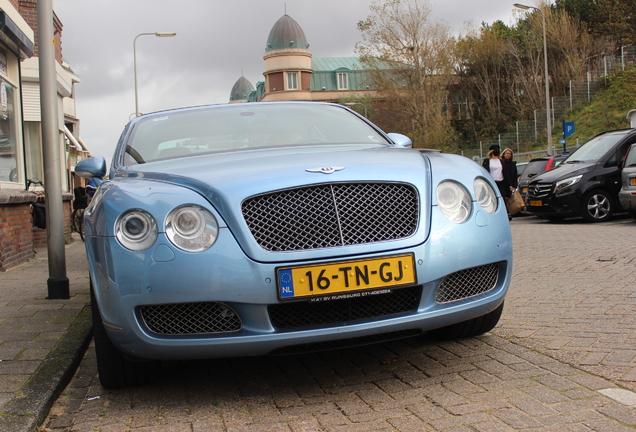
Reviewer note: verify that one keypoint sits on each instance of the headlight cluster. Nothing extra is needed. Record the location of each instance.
(456, 203)
(190, 228)
(564, 184)
(136, 230)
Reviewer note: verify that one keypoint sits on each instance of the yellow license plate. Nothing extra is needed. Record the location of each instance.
(632, 181)
(536, 203)
(346, 278)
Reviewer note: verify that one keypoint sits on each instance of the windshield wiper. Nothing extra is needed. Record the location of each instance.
(575, 161)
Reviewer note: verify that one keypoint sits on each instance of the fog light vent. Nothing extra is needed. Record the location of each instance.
(467, 283)
(190, 318)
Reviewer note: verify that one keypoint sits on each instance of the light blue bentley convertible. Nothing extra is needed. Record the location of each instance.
(282, 228)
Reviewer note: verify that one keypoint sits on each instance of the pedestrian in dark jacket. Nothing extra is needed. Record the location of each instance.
(510, 166)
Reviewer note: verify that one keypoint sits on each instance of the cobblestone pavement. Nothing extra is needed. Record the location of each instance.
(563, 358)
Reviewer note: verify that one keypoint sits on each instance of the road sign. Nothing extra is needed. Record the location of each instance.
(568, 129)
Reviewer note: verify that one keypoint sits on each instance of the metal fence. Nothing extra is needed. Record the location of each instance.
(527, 132)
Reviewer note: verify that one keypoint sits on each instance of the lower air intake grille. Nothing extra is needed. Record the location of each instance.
(190, 318)
(305, 313)
(467, 283)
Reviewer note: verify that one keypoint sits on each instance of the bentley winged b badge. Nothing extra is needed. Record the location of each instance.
(325, 170)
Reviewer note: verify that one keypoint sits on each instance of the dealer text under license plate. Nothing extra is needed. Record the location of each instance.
(346, 277)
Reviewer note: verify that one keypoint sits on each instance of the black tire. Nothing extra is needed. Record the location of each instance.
(597, 206)
(472, 327)
(115, 370)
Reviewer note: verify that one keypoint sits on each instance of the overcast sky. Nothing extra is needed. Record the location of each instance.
(216, 42)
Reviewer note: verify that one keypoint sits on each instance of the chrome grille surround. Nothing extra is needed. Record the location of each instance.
(539, 190)
(190, 318)
(332, 215)
(467, 283)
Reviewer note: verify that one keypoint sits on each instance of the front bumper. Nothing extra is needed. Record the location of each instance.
(564, 205)
(125, 281)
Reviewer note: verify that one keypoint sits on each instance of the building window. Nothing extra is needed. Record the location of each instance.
(8, 130)
(343, 81)
(292, 80)
(33, 154)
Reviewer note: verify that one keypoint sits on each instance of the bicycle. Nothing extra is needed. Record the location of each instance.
(80, 202)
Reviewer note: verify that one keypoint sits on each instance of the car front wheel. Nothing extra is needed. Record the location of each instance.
(115, 370)
(597, 206)
(472, 327)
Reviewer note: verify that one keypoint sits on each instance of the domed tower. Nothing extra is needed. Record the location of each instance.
(287, 62)
(241, 90)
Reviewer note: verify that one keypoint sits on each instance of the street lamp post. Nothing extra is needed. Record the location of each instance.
(158, 34)
(547, 85)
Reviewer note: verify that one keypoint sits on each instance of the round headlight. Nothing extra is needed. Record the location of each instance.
(485, 194)
(454, 201)
(191, 228)
(136, 230)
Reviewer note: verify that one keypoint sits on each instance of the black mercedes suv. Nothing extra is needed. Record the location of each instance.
(586, 183)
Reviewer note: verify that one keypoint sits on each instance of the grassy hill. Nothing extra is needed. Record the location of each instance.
(607, 110)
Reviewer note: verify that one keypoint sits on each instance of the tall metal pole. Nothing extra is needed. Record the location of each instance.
(158, 34)
(547, 83)
(57, 283)
(548, 116)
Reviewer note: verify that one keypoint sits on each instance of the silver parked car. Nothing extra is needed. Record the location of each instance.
(280, 228)
(627, 195)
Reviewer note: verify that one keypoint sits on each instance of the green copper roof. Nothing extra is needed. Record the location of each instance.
(333, 63)
(286, 33)
(241, 90)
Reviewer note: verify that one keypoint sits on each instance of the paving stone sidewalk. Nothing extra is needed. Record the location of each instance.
(41, 340)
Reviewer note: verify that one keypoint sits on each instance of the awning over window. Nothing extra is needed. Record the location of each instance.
(14, 38)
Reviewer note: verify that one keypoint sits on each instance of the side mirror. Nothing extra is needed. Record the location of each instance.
(94, 168)
(400, 140)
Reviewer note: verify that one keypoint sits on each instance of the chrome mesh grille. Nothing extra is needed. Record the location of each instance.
(332, 215)
(306, 313)
(467, 283)
(190, 318)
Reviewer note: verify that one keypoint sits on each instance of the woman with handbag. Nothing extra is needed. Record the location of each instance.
(515, 202)
(511, 167)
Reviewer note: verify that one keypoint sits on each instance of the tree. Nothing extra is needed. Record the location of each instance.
(613, 19)
(410, 61)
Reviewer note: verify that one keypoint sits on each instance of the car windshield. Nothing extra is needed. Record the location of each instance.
(222, 128)
(595, 148)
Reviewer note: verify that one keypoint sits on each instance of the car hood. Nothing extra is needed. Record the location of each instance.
(227, 179)
(563, 171)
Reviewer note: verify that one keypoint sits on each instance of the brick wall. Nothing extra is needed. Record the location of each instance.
(28, 11)
(16, 238)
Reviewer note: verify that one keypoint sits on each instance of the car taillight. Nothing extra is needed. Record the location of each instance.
(550, 164)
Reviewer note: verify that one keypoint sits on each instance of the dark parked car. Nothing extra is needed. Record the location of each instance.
(627, 195)
(535, 167)
(586, 183)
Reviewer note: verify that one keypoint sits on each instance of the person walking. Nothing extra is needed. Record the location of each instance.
(510, 166)
(495, 166)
